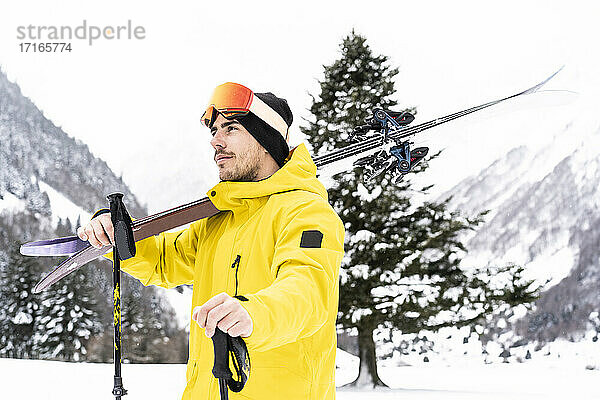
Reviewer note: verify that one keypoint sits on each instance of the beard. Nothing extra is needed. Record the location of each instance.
(245, 168)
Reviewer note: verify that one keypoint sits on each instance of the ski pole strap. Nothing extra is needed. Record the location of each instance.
(100, 212)
(122, 225)
(224, 346)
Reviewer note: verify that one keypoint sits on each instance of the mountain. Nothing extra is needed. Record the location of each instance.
(33, 149)
(544, 214)
(48, 182)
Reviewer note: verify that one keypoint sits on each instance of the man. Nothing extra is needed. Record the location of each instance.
(266, 267)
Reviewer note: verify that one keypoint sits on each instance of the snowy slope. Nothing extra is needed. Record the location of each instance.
(544, 203)
(62, 207)
(11, 203)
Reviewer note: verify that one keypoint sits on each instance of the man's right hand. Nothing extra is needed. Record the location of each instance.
(99, 231)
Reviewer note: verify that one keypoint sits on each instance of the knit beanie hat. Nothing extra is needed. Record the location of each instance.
(271, 139)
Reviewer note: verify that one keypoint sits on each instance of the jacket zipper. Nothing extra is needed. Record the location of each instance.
(236, 265)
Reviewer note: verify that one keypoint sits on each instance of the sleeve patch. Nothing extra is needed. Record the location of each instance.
(311, 239)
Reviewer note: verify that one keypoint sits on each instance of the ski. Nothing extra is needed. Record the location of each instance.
(390, 128)
(398, 131)
(64, 246)
(142, 228)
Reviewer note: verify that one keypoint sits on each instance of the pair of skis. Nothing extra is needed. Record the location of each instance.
(389, 127)
(81, 252)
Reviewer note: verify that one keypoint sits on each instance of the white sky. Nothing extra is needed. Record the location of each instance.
(137, 104)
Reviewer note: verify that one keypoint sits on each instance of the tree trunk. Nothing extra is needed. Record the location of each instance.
(367, 369)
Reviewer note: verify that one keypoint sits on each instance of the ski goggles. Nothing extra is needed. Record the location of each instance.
(233, 100)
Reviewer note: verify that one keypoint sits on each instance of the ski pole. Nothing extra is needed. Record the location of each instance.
(118, 389)
(123, 248)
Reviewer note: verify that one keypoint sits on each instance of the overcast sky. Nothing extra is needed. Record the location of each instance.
(148, 95)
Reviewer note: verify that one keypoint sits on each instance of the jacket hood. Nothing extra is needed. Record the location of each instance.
(299, 173)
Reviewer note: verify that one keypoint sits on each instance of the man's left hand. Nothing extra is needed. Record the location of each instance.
(225, 312)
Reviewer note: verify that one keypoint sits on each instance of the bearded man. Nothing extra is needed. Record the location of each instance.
(265, 268)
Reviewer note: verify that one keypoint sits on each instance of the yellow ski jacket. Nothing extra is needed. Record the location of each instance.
(279, 244)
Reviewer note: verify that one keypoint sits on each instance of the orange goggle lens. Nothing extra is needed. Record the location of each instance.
(230, 99)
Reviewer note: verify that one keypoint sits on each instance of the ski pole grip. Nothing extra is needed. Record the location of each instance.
(221, 366)
(123, 226)
(225, 346)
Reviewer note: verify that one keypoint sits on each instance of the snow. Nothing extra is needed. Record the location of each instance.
(552, 265)
(182, 304)
(62, 207)
(504, 381)
(59, 380)
(11, 203)
(439, 87)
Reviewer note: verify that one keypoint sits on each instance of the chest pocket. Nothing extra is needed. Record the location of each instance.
(252, 271)
(235, 266)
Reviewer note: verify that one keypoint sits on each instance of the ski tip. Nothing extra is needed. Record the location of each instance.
(65, 246)
(537, 87)
(35, 251)
(42, 285)
(556, 73)
(27, 250)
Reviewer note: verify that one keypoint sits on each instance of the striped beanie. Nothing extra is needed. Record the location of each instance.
(272, 135)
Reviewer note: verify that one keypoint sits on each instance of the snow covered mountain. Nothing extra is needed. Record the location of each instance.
(544, 211)
(38, 160)
(49, 181)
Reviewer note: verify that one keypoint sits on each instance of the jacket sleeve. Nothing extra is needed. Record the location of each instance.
(308, 252)
(165, 260)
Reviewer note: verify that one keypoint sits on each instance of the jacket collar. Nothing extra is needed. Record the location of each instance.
(298, 173)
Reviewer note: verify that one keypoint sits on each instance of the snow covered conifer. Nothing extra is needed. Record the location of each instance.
(19, 307)
(149, 323)
(69, 314)
(401, 270)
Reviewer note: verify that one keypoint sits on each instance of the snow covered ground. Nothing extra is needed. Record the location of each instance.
(485, 382)
(41, 380)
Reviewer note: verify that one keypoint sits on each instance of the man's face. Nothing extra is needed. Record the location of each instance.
(237, 154)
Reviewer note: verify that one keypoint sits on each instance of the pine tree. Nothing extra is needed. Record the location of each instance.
(149, 328)
(401, 269)
(69, 319)
(19, 307)
(148, 324)
(69, 314)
